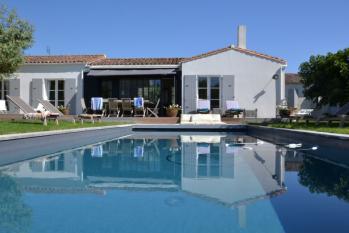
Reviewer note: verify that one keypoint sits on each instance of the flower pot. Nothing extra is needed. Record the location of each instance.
(65, 111)
(171, 112)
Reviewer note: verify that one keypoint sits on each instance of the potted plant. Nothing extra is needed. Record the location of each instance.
(284, 111)
(172, 110)
(64, 109)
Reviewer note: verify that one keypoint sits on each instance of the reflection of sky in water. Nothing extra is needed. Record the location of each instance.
(190, 183)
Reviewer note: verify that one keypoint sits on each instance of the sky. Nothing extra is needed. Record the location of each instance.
(290, 29)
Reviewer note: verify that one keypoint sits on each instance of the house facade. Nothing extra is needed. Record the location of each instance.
(255, 80)
(295, 92)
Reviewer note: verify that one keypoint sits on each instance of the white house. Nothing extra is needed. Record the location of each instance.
(255, 80)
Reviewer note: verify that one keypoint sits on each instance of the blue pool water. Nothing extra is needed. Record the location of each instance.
(176, 183)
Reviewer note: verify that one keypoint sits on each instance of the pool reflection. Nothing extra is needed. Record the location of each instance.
(215, 173)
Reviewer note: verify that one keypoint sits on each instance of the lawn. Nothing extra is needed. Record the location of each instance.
(10, 127)
(311, 126)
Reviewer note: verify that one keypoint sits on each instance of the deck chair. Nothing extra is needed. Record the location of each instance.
(113, 107)
(126, 106)
(29, 112)
(50, 107)
(154, 111)
(233, 108)
(203, 106)
(86, 115)
(3, 108)
(139, 107)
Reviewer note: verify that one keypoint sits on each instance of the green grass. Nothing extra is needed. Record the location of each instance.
(311, 126)
(10, 127)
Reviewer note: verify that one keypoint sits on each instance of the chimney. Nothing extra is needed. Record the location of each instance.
(242, 36)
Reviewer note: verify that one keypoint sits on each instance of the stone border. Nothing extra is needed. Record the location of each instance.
(15, 136)
(191, 127)
(18, 148)
(303, 132)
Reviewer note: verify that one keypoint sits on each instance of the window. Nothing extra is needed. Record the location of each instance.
(149, 89)
(107, 88)
(56, 92)
(209, 88)
(4, 88)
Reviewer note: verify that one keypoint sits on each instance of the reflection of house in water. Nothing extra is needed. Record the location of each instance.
(57, 173)
(231, 170)
(134, 162)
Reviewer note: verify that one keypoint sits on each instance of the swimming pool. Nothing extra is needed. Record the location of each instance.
(170, 182)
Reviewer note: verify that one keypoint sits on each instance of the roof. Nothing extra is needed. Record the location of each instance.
(101, 60)
(138, 61)
(63, 59)
(241, 50)
(292, 78)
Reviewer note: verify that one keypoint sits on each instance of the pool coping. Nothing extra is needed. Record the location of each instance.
(299, 131)
(135, 127)
(7, 137)
(190, 127)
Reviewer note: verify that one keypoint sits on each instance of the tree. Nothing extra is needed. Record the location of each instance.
(16, 35)
(323, 177)
(326, 78)
(15, 216)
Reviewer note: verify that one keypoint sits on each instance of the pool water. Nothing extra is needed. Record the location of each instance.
(176, 183)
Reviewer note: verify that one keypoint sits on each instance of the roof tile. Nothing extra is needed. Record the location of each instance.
(138, 61)
(63, 59)
(246, 51)
(291, 78)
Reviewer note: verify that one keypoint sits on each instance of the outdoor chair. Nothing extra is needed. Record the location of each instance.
(233, 108)
(139, 107)
(50, 107)
(126, 106)
(30, 113)
(154, 111)
(203, 106)
(113, 107)
(97, 104)
(86, 115)
(3, 108)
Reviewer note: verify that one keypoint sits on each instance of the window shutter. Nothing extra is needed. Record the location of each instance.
(36, 92)
(14, 90)
(227, 90)
(70, 94)
(189, 93)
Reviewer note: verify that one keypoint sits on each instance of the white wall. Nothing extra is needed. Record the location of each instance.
(254, 86)
(28, 72)
(297, 100)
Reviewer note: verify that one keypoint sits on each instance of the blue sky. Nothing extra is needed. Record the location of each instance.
(293, 29)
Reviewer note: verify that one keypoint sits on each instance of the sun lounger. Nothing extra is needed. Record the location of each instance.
(86, 115)
(50, 107)
(203, 106)
(29, 112)
(233, 108)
